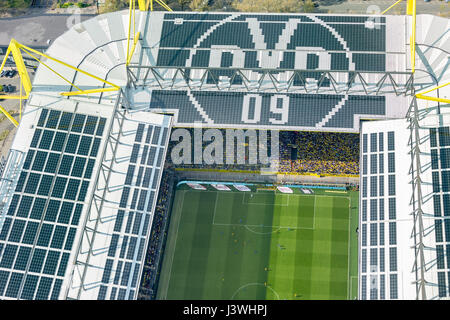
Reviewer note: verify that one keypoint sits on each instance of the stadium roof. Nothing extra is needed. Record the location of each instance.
(81, 179)
(267, 70)
(186, 64)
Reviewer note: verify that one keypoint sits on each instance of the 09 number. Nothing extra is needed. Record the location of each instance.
(279, 106)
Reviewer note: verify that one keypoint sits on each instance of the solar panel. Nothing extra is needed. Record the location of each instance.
(63, 174)
(14, 285)
(29, 287)
(44, 287)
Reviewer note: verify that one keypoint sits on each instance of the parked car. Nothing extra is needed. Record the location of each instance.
(2, 74)
(10, 73)
(11, 88)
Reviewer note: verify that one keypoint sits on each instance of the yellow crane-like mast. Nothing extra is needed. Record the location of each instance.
(16, 49)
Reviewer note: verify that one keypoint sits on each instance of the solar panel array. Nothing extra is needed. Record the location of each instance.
(378, 235)
(440, 170)
(134, 216)
(38, 233)
(272, 110)
(270, 41)
(338, 35)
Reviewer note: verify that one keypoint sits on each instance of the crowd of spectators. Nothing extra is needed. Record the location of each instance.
(158, 234)
(322, 153)
(303, 152)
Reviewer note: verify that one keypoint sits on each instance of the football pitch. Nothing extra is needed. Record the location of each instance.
(264, 244)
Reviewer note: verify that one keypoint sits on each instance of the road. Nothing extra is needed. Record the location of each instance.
(362, 7)
(37, 28)
(13, 107)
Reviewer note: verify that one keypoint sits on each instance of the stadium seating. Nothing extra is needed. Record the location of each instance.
(304, 110)
(231, 41)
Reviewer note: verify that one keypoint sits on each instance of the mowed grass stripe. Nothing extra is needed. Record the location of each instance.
(256, 251)
(166, 270)
(283, 248)
(200, 233)
(353, 246)
(242, 269)
(339, 249)
(183, 249)
(214, 278)
(182, 232)
(304, 250)
(303, 264)
(320, 267)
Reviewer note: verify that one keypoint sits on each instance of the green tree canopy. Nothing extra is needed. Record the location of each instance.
(273, 5)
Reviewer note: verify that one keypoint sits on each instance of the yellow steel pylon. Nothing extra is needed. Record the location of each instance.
(145, 4)
(411, 10)
(422, 94)
(16, 49)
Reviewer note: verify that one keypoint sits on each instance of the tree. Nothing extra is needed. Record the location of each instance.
(199, 5)
(113, 5)
(267, 5)
(307, 6)
(183, 3)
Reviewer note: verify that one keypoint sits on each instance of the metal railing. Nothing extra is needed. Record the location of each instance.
(10, 172)
(272, 80)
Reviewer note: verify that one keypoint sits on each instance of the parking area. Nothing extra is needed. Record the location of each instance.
(7, 129)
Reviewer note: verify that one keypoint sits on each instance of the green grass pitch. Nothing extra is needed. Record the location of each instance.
(261, 245)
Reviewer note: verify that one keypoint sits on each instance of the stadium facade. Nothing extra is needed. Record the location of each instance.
(80, 184)
(393, 225)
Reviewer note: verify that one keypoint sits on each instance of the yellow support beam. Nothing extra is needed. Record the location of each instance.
(419, 96)
(144, 5)
(15, 48)
(20, 64)
(20, 101)
(412, 41)
(392, 6)
(422, 94)
(73, 68)
(76, 93)
(6, 113)
(162, 4)
(409, 7)
(9, 97)
(135, 41)
(48, 67)
(410, 10)
(130, 13)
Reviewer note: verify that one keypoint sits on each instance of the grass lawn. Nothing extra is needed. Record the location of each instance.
(261, 245)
